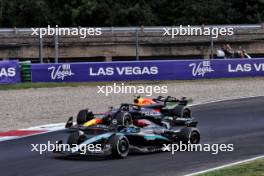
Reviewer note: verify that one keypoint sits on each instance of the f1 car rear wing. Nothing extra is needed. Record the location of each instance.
(183, 101)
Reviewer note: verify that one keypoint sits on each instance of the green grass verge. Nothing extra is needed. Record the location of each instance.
(40, 85)
(254, 168)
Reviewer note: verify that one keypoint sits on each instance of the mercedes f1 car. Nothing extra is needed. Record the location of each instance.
(118, 141)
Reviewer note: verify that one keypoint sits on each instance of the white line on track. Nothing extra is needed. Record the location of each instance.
(230, 164)
(6, 138)
(226, 165)
(49, 127)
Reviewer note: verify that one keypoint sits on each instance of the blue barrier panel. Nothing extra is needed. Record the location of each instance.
(147, 70)
(9, 72)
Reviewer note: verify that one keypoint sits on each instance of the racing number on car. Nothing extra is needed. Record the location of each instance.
(151, 113)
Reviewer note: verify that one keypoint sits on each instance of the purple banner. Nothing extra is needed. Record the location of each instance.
(9, 72)
(147, 70)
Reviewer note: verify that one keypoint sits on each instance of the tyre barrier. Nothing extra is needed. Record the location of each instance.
(25, 71)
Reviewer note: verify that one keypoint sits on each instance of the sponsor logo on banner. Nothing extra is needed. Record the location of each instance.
(109, 71)
(61, 72)
(201, 68)
(247, 67)
(8, 72)
(143, 70)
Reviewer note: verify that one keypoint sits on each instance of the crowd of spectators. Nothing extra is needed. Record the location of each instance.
(228, 52)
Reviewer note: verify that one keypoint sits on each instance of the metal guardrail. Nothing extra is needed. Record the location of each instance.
(133, 28)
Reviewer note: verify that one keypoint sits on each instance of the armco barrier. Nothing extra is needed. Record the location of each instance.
(9, 72)
(147, 70)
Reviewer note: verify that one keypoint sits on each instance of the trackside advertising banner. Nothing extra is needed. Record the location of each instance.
(147, 70)
(9, 72)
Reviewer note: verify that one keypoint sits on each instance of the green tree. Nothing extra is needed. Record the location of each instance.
(35, 13)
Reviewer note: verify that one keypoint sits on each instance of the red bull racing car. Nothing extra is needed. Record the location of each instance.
(171, 110)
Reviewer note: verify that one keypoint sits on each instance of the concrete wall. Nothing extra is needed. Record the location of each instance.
(121, 45)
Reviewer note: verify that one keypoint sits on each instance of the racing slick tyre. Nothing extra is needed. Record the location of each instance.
(124, 118)
(189, 135)
(177, 111)
(186, 113)
(120, 146)
(84, 116)
(75, 138)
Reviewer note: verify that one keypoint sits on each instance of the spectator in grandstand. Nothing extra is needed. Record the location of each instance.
(239, 54)
(245, 54)
(220, 54)
(242, 54)
(229, 52)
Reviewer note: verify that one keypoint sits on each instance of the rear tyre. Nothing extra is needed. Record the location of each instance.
(190, 135)
(120, 146)
(124, 118)
(195, 137)
(186, 113)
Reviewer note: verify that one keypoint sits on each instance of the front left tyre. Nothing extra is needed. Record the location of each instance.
(75, 138)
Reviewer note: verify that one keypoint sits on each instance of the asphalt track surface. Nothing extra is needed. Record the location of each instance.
(240, 122)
